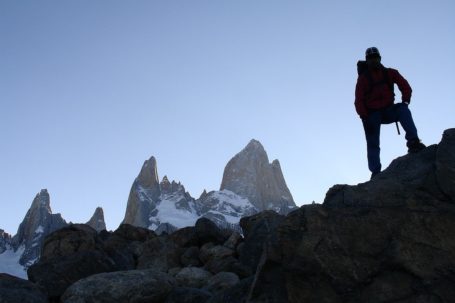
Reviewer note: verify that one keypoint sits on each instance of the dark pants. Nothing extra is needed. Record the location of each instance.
(372, 125)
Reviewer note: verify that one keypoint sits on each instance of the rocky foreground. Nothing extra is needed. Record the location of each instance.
(388, 240)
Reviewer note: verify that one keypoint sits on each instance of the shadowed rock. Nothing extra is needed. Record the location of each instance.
(13, 289)
(134, 286)
(387, 240)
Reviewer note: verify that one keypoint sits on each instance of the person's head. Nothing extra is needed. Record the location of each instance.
(373, 57)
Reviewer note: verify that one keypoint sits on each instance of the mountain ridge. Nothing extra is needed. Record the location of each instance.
(386, 240)
(163, 206)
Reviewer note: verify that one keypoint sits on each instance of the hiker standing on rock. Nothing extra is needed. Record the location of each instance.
(374, 102)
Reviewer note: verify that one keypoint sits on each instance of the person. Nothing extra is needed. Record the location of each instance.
(374, 103)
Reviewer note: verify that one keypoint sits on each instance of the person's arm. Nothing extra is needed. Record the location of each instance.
(403, 85)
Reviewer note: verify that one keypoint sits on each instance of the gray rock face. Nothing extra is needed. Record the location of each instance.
(37, 224)
(97, 220)
(386, 240)
(135, 286)
(445, 165)
(143, 195)
(194, 277)
(5, 241)
(165, 207)
(250, 184)
(69, 254)
(13, 289)
(250, 175)
(152, 203)
(403, 182)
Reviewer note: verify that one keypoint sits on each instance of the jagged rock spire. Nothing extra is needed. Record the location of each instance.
(97, 220)
(38, 223)
(145, 191)
(250, 175)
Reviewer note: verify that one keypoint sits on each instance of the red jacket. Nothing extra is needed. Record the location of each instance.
(368, 96)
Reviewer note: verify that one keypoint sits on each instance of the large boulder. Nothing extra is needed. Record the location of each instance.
(57, 274)
(125, 245)
(235, 294)
(445, 163)
(222, 281)
(160, 253)
(207, 231)
(134, 286)
(387, 240)
(69, 240)
(194, 277)
(185, 237)
(13, 289)
(349, 254)
(69, 254)
(256, 230)
(187, 295)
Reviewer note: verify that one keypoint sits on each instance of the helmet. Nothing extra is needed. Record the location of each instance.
(372, 52)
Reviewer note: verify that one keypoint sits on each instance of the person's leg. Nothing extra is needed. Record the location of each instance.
(400, 112)
(372, 127)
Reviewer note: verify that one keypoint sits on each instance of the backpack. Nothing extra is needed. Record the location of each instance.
(362, 68)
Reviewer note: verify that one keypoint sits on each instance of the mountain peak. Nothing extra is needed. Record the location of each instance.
(250, 175)
(38, 223)
(97, 220)
(42, 200)
(148, 177)
(254, 144)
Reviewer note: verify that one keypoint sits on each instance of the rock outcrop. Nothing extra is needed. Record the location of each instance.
(97, 220)
(387, 240)
(37, 224)
(5, 241)
(250, 175)
(13, 289)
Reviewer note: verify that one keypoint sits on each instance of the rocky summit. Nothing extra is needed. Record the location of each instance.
(38, 223)
(387, 240)
(249, 174)
(97, 220)
(250, 184)
(24, 249)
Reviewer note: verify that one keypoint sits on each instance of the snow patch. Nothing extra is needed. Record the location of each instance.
(169, 213)
(39, 230)
(9, 262)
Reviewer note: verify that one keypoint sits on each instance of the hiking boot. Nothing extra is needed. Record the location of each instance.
(415, 146)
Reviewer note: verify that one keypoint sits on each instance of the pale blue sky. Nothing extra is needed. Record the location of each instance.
(91, 89)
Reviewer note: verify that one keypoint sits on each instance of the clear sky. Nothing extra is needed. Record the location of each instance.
(91, 89)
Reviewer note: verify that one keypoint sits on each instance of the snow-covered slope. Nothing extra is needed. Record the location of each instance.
(174, 206)
(250, 184)
(166, 206)
(225, 208)
(24, 249)
(9, 262)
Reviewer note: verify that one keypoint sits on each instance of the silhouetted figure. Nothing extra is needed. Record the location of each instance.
(374, 102)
